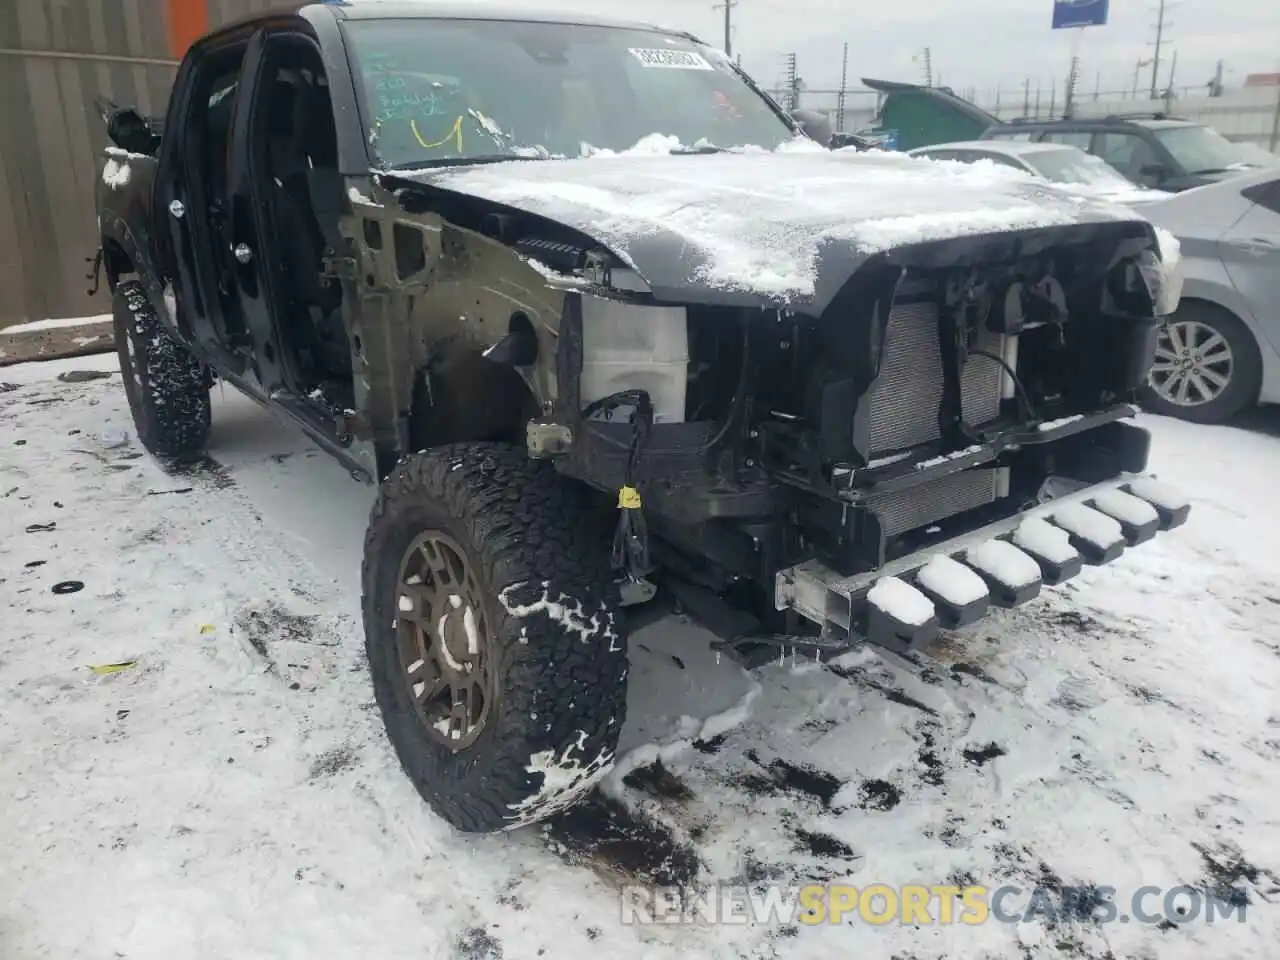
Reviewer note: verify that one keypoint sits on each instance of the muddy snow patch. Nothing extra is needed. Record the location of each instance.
(564, 780)
(564, 610)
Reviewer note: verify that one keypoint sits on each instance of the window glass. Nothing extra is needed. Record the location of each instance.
(1127, 153)
(444, 91)
(998, 158)
(1264, 195)
(1199, 149)
(1069, 165)
(1073, 138)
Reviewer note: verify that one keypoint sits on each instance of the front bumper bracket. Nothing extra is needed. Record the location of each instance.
(904, 604)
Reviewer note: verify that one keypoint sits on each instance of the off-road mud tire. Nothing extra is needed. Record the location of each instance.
(167, 387)
(529, 536)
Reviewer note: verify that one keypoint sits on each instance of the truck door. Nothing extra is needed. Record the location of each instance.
(251, 259)
(190, 196)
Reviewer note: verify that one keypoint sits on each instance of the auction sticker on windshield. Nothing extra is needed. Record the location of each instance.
(670, 59)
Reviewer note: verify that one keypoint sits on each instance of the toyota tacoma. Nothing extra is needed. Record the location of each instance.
(609, 333)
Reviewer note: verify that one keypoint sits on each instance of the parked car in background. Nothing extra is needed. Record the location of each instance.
(1151, 150)
(1220, 351)
(1066, 166)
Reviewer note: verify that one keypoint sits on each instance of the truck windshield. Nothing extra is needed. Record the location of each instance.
(1200, 149)
(439, 91)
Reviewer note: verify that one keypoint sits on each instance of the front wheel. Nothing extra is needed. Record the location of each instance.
(1207, 366)
(497, 660)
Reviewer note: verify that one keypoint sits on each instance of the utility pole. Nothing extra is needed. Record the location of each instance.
(844, 82)
(1137, 70)
(1155, 57)
(928, 67)
(1173, 70)
(1072, 78)
(1275, 125)
(1026, 97)
(728, 6)
(792, 82)
(1215, 85)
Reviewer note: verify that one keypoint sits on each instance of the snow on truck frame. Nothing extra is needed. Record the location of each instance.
(609, 345)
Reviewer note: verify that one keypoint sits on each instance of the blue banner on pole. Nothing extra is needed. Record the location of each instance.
(1079, 13)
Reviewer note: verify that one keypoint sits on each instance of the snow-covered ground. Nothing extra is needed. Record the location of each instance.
(231, 795)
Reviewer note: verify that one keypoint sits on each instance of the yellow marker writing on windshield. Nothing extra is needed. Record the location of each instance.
(455, 134)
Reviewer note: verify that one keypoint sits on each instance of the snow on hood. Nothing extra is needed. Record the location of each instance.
(790, 226)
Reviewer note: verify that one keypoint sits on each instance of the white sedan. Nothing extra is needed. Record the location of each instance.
(1063, 165)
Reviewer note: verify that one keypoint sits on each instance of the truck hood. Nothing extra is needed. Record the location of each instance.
(786, 228)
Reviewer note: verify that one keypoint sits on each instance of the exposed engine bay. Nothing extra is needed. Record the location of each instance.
(921, 394)
(925, 401)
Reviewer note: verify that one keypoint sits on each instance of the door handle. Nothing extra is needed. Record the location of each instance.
(1258, 246)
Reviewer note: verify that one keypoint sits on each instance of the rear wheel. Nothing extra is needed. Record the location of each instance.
(497, 661)
(1207, 366)
(167, 387)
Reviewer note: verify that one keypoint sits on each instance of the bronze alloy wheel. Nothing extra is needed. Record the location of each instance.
(497, 657)
(444, 639)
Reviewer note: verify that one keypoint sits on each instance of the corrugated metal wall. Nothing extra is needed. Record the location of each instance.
(56, 57)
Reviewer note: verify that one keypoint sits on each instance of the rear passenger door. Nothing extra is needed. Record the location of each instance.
(1251, 253)
(190, 190)
(249, 255)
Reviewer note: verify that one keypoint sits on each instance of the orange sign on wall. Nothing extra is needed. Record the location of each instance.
(188, 21)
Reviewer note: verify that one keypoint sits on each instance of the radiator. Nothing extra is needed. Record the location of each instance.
(933, 501)
(903, 413)
(906, 395)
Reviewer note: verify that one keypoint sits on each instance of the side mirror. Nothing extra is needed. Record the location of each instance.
(130, 130)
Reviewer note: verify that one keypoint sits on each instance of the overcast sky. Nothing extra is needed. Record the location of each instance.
(973, 44)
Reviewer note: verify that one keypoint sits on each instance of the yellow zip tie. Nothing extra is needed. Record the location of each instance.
(628, 498)
(113, 667)
(454, 134)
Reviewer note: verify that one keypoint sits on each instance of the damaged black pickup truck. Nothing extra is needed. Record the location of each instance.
(609, 332)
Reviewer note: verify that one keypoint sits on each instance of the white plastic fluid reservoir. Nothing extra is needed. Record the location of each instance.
(627, 346)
